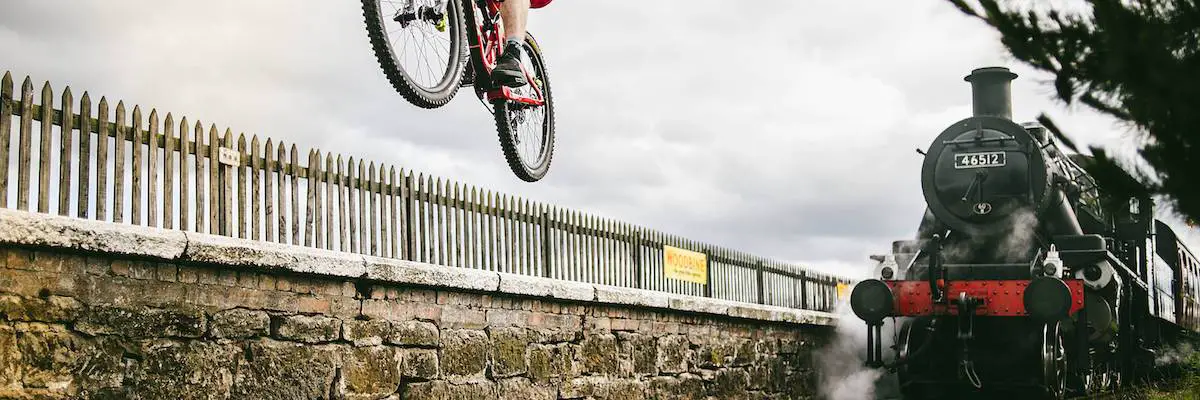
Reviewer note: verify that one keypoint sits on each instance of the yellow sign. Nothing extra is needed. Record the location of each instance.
(841, 290)
(685, 265)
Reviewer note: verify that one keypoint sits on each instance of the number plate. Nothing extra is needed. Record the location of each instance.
(980, 160)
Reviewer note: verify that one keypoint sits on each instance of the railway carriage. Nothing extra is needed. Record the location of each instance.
(1179, 294)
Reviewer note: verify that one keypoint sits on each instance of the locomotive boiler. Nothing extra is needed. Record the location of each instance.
(1024, 275)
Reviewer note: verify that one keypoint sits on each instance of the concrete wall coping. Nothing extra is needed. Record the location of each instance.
(43, 230)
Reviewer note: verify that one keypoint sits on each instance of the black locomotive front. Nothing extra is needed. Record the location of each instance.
(992, 292)
(983, 173)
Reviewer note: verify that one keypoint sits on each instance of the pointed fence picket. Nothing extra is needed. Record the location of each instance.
(135, 170)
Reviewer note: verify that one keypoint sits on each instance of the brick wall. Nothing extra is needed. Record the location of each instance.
(90, 325)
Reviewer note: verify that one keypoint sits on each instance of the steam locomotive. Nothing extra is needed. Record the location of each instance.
(1025, 275)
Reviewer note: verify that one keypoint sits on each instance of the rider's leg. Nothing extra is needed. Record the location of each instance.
(514, 13)
(508, 68)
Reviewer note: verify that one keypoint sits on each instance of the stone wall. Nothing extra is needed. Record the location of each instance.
(91, 310)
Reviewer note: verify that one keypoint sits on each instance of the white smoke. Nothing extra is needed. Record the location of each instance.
(1011, 245)
(1174, 355)
(842, 372)
(1020, 236)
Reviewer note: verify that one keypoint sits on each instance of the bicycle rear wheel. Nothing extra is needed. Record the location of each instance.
(527, 131)
(420, 47)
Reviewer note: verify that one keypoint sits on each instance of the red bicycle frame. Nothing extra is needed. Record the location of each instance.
(487, 47)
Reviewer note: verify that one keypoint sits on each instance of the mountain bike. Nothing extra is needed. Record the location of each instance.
(465, 39)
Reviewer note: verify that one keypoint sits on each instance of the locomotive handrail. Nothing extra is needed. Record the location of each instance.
(972, 141)
(1137, 280)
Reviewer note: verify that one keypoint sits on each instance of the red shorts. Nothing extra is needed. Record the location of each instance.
(538, 3)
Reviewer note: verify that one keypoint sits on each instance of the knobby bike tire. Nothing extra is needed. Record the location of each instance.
(399, 78)
(503, 127)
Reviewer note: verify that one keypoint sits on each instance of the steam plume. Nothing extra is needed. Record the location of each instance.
(1174, 355)
(842, 372)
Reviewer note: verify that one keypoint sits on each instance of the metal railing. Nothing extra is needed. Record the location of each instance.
(132, 168)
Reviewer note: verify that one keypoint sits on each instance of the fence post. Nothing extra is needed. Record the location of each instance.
(410, 218)
(637, 258)
(547, 262)
(824, 293)
(6, 106)
(708, 263)
(830, 293)
(64, 159)
(803, 290)
(227, 167)
(758, 270)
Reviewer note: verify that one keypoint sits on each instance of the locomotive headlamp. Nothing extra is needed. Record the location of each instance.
(888, 267)
(1053, 265)
(1050, 269)
(872, 301)
(1047, 299)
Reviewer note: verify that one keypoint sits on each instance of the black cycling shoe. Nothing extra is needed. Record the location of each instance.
(508, 69)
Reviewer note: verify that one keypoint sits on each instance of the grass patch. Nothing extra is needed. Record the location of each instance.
(1187, 387)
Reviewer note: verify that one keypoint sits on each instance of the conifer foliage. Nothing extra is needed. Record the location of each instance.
(1135, 60)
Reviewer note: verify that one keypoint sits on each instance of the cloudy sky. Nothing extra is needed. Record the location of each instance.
(783, 128)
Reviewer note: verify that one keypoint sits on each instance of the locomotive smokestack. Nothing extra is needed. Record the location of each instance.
(990, 93)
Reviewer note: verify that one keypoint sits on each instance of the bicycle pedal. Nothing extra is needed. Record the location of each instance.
(441, 25)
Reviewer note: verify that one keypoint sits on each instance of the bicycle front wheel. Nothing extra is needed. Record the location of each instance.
(527, 131)
(420, 47)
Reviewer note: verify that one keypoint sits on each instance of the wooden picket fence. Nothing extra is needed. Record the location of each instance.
(127, 166)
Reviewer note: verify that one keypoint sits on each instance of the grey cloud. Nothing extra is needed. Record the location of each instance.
(782, 128)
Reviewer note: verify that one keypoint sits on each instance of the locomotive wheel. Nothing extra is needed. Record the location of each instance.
(1054, 362)
(1099, 378)
(912, 334)
(909, 390)
(1108, 378)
